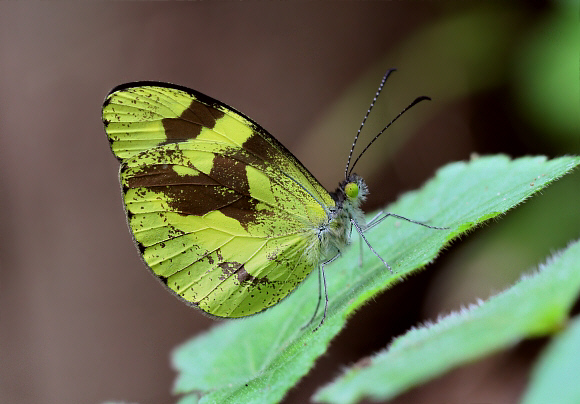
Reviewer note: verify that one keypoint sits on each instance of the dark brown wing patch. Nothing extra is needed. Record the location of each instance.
(190, 123)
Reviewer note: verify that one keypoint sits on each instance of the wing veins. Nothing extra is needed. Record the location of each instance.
(245, 262)
(289, 274)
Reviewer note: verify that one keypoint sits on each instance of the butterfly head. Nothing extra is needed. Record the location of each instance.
(353, 191)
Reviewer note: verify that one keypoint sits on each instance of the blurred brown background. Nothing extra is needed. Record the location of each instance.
(82, 321)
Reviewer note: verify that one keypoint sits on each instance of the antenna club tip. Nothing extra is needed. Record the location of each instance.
(418, 100)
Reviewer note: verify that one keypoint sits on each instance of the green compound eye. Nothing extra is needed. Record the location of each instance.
(351, 190)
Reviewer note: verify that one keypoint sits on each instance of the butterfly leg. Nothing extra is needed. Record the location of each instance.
(375, 217)
(360, 256)
(321, 270)
(321, 286)
(319, 300)
(360, 259)
(378, 218)
(360, 231)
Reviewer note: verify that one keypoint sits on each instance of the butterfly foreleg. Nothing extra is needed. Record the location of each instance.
(382, 216)
(361, 232)
(360, 257)
(375, 217)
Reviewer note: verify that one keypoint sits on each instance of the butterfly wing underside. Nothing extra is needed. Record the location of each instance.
(221, 212)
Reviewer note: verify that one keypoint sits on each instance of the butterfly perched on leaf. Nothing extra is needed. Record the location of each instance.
(222, 212)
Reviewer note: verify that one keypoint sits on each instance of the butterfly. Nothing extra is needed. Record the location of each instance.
(222, 213)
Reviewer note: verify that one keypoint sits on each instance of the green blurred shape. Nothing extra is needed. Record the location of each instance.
(555, 377)
(547, 77)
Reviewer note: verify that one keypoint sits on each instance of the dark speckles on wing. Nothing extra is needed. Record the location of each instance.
(243, 210)
(230, 173)
(244, 278)
(228, 268)
(162, 279)
(190, 123)
(260, 147)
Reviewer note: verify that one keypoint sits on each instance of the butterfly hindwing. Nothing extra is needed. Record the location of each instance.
(220, 210)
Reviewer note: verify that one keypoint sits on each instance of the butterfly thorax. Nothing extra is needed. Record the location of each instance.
(334, 234)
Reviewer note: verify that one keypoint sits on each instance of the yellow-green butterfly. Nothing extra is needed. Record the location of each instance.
(221, 212)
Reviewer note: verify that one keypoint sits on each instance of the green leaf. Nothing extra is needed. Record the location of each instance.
(537, 305)
(258, 359)
(555, 378)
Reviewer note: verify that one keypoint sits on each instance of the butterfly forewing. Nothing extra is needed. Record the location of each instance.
(221, 211)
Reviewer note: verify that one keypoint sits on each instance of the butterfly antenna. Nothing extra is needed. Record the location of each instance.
(416, 101)
(385, 77)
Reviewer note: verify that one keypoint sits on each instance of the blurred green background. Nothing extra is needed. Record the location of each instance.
(83, 321)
